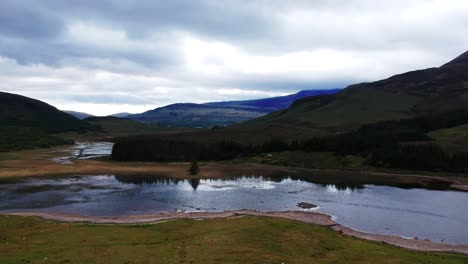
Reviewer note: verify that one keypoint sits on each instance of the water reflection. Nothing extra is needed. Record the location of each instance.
(428, 214)
(340, 183)
(194, 183)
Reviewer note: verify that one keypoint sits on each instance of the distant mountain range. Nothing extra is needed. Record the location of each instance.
(406, 95)
(81, 115)
(276, 103)
(123, 114)
(330, 112)
(220, 113)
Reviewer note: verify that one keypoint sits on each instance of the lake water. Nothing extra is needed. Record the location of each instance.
(426, 214)
(84, 150)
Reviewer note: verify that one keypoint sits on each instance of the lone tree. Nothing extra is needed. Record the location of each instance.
(194, 168)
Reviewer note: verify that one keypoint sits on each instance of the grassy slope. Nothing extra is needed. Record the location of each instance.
(20, 111)
(453, 139)
(18, 137)
(401, 96)
(123, 127)
(27, 123)
(236, 240)
(118, 127)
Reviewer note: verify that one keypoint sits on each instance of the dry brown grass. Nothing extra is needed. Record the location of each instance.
(38, 163)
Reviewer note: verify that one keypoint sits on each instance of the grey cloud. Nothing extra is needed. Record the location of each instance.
(398, 36)
(287, 85)
(53, 52)
(210, 17)
(256, 26)
(105, 98)
(25, 20)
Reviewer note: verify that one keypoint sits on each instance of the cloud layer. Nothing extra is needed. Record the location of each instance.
(114, 56)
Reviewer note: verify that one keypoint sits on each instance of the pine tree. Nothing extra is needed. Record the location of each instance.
(194, 168)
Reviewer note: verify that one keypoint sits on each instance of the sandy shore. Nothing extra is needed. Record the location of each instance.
(306, 217)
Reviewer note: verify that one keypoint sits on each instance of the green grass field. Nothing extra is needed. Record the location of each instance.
(234, 240)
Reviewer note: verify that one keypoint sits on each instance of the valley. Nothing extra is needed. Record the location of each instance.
(350, 164)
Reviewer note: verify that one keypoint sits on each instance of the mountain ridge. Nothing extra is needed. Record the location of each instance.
(219, 113)
(79, 115)
(18, 110)
(403, 95)
(28, 123)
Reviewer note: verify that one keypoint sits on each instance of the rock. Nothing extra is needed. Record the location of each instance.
(306, 205)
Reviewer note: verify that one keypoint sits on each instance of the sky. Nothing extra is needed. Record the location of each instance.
(110, 56)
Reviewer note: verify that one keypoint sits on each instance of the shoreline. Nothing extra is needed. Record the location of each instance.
(301, 216)
(16, 169)
(38, 163)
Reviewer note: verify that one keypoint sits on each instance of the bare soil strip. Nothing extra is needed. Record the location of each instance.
(306, 217)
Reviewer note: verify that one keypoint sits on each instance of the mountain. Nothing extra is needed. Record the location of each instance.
(219, 113)
(121, 115)
(276, 103)
(17, 110)
(79, 115)
(28, 123)
(199, 115)
(400, 122)
(404, 95)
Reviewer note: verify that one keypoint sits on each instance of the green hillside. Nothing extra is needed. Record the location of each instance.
(17, 110)
(412, 121)
(422, 92)
(116, 126)
(401, 96)
(29, 123)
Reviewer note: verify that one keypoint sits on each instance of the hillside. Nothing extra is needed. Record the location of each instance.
(28, 123)
(79, 115)
(219, 113)
(17, 110)
(401, 96)
(277, 103)
(115, 126)
(405, 95)
(198, 115)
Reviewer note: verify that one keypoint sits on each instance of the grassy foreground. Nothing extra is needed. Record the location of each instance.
(231, 240)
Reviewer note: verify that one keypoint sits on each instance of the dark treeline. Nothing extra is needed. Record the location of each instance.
(151, 148)
(398, 144)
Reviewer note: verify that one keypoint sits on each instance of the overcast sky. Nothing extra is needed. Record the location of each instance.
(105, 56)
